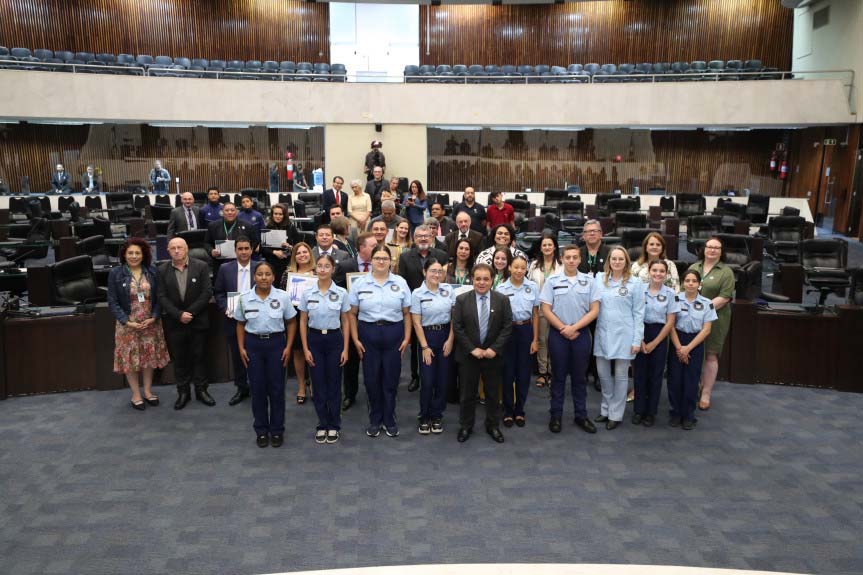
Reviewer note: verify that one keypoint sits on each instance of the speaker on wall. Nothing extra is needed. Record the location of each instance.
(379, 127)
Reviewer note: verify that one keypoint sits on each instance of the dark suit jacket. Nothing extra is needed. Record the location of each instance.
(226, 281)
(198, 292)
(97, 183)
(475, 238)
(465, 317)
(216, 231)
(61, 182)
(374, 190)
(177, 223)
(329, 201)
(598, 265)
(410, 265)
(447, 226)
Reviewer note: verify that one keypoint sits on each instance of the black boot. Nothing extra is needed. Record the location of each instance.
(204, 397)
(183, 398)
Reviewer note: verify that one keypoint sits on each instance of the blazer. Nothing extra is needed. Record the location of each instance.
(465, 317)
(119, 302)
(97, 183)
(475, 238)
(61, 182)
(447, 225)
(226, 281)
(411, 268)
(216, 231)
(598, 264)
(178, 223)
(328, 201)
(198, 293)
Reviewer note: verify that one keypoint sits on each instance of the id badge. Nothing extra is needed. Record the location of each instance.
(141, 298)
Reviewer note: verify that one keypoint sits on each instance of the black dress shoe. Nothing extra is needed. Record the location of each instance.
(414, 384)
(611, 424)
(495, 434)
(554, 425)
(263, 440)
(204, 397)
(601, 418)
(238, 397)
(637, 419)
(140, 406)
(464, 435)
(648, 421)
(586, 424)
(508, 421)
(347, 403)
(183, 399)
(152, 401)
(277, 440)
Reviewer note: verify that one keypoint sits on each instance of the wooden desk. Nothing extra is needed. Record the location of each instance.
(797, 349)
(74, 353)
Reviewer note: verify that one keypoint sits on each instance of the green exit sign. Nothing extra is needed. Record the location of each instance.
(830, 142)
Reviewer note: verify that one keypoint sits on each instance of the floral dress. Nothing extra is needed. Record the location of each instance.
(136, 349)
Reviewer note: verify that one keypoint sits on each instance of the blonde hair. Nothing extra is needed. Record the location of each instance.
(292, 267)
(627, 273)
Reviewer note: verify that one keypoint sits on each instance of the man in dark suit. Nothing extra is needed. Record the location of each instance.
(236, 276)
(229, 227)
(184, 295)
(411, 264)
(445, 223)
(593, 252)
(334, 196)
(324, 244)
(91, 183)
(462, 222)
(374, 187)
(184, 217)
(61, 183)
(482, 324)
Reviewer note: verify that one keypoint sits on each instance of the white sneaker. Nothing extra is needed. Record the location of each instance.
(332, 436)
(321, 436)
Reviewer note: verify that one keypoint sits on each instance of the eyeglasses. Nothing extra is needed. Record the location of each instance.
(380, 259)
(592, 231)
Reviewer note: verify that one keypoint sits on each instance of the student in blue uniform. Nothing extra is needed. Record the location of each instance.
(324, 331)
(660, 312)
(523, 297)
(569, 302)
(692, 327)
(619, 333)
(431, 313)
(265, 335)
(381, 331)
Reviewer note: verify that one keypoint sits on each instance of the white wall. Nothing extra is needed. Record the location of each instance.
(374, 39)
(189, 100)
(839, 45)
(404, 146)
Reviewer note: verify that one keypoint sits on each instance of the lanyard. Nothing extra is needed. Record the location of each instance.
(227, 231)
(460, 276)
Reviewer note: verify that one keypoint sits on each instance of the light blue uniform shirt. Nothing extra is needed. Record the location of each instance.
(522, 300)
(325, 308)
(693, 315)
(433, 307)
(620, 324)
(378, 302)
(657, 307)
(569, 297)
(268, 315)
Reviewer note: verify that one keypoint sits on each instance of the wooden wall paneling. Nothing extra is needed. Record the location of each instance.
(678, 161)
(614, 31)
(842, 164)
(212, 29)
(232, 158)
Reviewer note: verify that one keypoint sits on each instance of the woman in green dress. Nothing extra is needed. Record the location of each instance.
(718, 286)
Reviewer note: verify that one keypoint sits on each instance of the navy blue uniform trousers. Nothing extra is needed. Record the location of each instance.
(683, 379)
(267, 382)
(434, 377)
(647, 370)
(327, 376)
(382, 366)
(569, 358)
(516, 370)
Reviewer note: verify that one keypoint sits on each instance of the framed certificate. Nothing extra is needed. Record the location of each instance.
(353, 275)
(297, 284)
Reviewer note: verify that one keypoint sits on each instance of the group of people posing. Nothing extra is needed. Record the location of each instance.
(471, 316)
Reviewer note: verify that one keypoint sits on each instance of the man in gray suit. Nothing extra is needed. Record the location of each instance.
(185, 217)
(482, 323)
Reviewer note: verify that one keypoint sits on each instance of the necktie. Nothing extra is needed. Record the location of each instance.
(243, 280)
(483, 318)
(462, 236)
(191, 218)
(365, 266)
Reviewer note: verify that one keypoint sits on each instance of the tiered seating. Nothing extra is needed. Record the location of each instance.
(592, 73)
(146, 65)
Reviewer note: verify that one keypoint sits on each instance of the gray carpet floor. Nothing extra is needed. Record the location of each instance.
(772, 479)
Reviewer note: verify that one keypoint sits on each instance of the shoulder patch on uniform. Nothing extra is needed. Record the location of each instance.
(711, 306)
(677, 298)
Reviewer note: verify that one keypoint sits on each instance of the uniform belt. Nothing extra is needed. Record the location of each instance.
(438, 327)
(381, 322)
(525, 322)
(265, 335)
(325, 331)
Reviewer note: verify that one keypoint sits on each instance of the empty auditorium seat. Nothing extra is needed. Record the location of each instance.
(756, 209)
(824, 261)
(698, 231)
(690, 205)
(784, 234)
